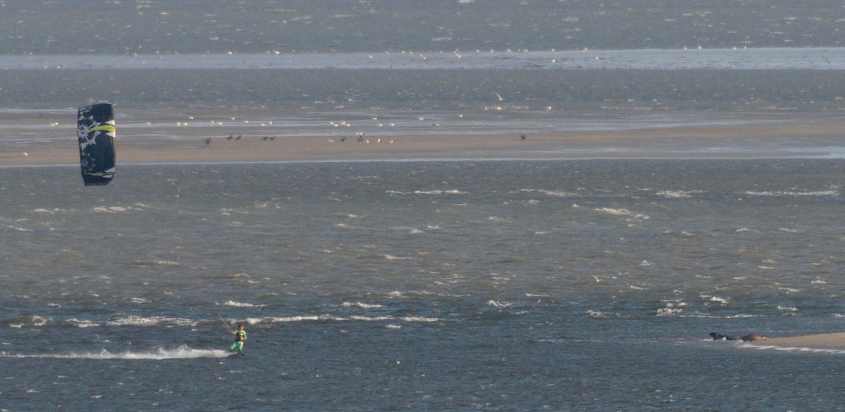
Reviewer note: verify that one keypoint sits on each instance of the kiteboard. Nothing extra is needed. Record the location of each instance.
(97, 133)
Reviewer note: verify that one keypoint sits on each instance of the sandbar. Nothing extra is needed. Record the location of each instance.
(812, 137)
(816, 341)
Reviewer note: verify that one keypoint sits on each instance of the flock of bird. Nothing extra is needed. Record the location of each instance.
(232, 137)
(360, 138)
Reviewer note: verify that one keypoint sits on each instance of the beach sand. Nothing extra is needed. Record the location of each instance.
(813, 136)
(818, 341)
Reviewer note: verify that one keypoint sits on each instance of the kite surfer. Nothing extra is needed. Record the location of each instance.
(240, 339)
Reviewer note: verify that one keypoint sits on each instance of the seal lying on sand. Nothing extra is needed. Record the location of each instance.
(751, 337)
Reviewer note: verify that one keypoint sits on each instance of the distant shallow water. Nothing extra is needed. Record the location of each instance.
(822, 58)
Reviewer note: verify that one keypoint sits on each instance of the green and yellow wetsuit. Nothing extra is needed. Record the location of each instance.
(238, 344)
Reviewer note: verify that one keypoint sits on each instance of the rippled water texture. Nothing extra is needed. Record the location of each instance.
(422, 285)
(150, 26)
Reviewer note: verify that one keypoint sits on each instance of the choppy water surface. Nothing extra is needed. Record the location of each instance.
(148, 26)
(421, 285)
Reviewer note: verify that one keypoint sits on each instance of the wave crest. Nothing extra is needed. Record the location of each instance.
(236, 304)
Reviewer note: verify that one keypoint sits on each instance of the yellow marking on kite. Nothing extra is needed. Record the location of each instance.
(105, 128)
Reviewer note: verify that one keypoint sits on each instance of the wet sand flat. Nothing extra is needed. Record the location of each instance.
(815, 136)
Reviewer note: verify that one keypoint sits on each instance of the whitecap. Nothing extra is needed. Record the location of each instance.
(668, 311)
(419, 319)
(18, 228)
(35, 320)
(595, 314)
(150, 321)
(792, 349)
(287, 319)
(788, 309)
(236, 304)
(711, 316)
(677, 194)
(550, 193)
(368, 318)
(411, 230)
(391, 257)
(361, 305)
(716, 299)
(155, 262)
(819, 193)
(166, 262)
(621, 212)
(44, 211)
(115, 209)
(82, 323)
(439, 192)
(740, 316)
(499, 304)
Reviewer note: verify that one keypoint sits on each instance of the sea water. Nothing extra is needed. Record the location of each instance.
(485, 281)
(462, 285)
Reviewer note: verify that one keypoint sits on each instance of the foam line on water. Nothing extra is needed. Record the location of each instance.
(182, 352)
(798, 349)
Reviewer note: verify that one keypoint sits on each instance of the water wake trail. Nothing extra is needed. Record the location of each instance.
(181, 352)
